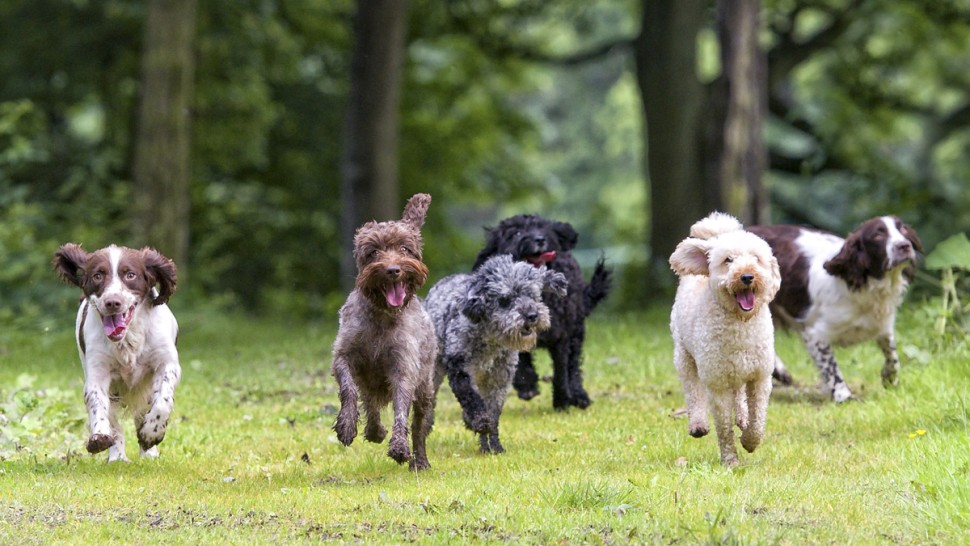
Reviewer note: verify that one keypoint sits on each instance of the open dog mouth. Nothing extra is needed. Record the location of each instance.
(395, 294)
(542, 258)
(745, 299)
(115, 326)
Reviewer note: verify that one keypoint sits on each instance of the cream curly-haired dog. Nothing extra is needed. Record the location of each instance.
(722, 330)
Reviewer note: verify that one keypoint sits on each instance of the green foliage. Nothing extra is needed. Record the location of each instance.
(250, 455)
(50, 417)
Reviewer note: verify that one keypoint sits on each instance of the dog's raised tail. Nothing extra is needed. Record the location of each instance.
(716, 223)
(599, 285)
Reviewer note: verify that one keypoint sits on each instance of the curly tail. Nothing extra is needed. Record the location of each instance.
(599, 285)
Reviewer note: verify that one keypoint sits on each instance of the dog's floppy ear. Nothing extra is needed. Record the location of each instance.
(68, 263)
(416, 210)
(690, 257)
(851, 264)
(555, 283)
(566, 234)
(475, 307)
(491, 247)
(160, 270)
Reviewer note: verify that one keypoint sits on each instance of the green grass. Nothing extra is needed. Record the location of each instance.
(250, 457)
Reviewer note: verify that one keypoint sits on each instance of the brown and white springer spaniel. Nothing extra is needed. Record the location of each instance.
(838, 292)
(125, 336)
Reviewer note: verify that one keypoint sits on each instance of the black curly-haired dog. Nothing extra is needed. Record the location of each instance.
(541, 241)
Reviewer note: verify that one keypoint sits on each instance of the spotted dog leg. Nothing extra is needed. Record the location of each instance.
(96, 399)
(890, 371)
(781, 373)
(151, 431)
(824, 358)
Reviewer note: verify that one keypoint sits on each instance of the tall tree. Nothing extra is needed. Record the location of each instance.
(162, 143)
(369, 184)
(673, 102)
(742, 90)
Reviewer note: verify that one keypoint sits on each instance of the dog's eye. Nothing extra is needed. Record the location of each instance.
(130, 276)
(504, 301)
(98, 276)
(406, 250)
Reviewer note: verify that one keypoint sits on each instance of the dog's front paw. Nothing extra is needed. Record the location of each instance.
(346, 428)
(890, 379)
(152, 431)
(398, 449)
(697, 431)
(99, 442)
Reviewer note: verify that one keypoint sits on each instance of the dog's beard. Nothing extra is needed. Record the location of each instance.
(391, 293)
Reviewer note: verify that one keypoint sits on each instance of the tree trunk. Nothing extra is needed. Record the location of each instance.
(161, 168)
(369, 166)
(742, 158)
(673, 100)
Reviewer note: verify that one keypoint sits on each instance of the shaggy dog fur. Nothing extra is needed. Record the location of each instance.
(539, 241)
(385, 347)
(722, 329)
(482, 321)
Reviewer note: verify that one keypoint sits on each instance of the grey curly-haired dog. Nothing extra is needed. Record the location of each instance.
(482, 321)
(385, 347)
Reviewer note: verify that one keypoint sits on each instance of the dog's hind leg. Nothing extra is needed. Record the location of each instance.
(695, 394)
(346, 424)
(117, 450)
(824, 359)
(421, 423)
(781, 372)
(758, 391)
(722, 402)
(577, 394)
(741, 408)
(561, 395)
(397, 448)
(526, 380)
(374, 430)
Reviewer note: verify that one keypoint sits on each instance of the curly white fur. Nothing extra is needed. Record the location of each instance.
(722, 329)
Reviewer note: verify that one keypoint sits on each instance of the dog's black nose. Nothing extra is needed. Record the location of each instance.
(112, 304)
(393, 271)
(531, 317)
(904, 246)
(747, 278)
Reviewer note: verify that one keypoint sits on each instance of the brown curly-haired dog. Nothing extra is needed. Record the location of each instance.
(386, 348)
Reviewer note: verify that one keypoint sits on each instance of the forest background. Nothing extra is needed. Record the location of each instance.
(247, 138)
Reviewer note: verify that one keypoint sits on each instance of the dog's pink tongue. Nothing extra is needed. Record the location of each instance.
(746, 299)
(395, 294)
(543, 259)
(113, 324)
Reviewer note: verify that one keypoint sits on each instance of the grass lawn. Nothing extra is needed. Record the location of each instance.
(250, 457)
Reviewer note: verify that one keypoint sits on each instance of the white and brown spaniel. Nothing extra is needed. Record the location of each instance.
(126, 339)
(838, 292)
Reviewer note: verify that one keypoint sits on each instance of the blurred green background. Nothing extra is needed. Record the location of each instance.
(517, 106)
